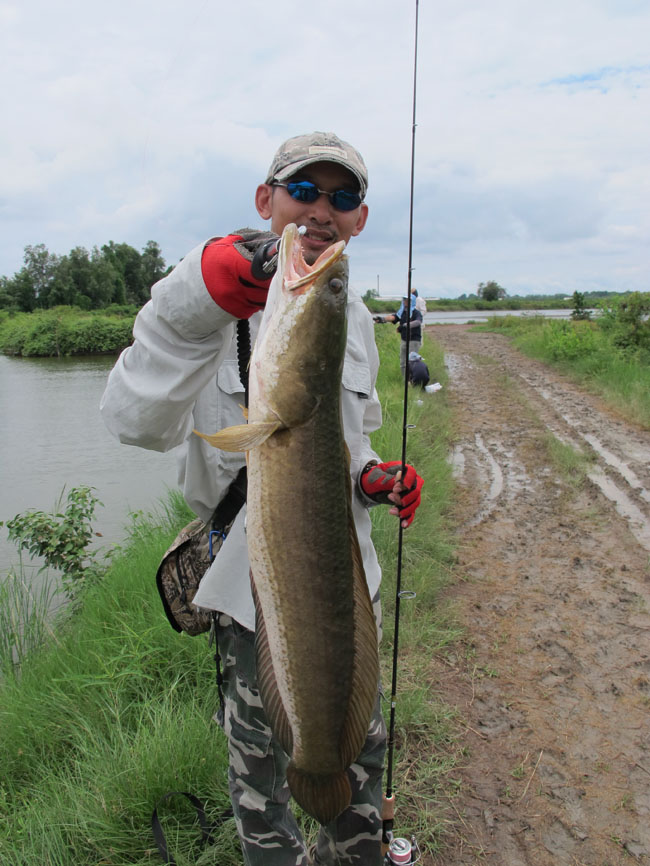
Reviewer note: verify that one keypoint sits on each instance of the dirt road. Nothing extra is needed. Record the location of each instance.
(552, 683)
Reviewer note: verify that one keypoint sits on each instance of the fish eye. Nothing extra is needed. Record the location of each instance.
(336, 285)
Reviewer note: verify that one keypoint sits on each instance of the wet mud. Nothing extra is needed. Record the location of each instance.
(552, 583)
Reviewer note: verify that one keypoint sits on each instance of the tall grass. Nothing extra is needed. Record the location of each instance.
(116, 710)
(423, 724)
(26, 608)
(101, 722)
(585, 352)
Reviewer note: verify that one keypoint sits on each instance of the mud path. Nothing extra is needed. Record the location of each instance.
(552, 683)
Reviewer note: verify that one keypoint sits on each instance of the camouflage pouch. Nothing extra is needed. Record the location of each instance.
(180, 572)
(187, 560)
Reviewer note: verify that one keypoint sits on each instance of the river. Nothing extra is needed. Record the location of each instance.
(53, 437)
(462, 317)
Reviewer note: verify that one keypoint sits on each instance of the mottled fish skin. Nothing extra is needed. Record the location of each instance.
(316, 635)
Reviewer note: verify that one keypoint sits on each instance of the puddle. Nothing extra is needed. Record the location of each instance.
(457, 461)
(496, 476)
(455, 365)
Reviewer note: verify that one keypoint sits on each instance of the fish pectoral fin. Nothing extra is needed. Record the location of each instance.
(241, 437)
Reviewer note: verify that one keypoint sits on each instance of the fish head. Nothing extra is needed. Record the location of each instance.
(298, 276)
(300, 348)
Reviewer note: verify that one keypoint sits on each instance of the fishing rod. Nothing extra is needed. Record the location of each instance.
(399, 849)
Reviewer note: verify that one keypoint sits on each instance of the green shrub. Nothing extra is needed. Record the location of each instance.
(627, 321)
(64, 331)
(61, 537)
(567, 340)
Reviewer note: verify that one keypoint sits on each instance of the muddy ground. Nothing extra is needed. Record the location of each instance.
(552, 583)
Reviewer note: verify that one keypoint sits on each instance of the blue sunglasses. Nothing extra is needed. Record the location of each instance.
(307, 192)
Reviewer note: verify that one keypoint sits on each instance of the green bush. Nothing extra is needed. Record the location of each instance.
(64, 331)
(627, 321)
(61, 538)
(567, 341)
(13, 330)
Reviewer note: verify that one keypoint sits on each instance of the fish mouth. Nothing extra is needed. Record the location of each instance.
(298, 275)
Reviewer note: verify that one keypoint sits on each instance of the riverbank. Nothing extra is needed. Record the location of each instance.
(473, 303)
(465, 317)
(65, 331)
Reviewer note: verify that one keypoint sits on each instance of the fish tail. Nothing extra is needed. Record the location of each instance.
(321, 796)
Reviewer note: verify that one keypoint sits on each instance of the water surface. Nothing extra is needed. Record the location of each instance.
(53, 437)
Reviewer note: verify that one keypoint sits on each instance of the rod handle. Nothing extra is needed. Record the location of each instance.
(388, 816)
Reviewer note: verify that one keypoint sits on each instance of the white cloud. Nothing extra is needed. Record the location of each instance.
(131, 122)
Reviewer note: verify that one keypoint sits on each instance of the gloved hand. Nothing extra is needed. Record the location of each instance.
(382, 482)
(227, 268)
(379, 320)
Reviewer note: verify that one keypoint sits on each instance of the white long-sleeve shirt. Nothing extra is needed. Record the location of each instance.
(182, 373)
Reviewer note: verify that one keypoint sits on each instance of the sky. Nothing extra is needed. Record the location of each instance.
(147, 121)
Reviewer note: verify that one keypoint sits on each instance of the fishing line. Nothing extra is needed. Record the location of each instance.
(390, 844)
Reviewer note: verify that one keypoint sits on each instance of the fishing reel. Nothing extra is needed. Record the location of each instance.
(397, 849)
(402, 851)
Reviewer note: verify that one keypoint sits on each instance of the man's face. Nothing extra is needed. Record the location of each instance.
(325, 225)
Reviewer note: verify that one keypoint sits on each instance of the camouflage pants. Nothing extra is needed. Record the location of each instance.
(259, 792)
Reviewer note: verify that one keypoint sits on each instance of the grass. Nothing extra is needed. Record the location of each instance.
(111, 709)
(25, 606)
(96, 726)
(584, 352)
(423, 756)
(570, 464)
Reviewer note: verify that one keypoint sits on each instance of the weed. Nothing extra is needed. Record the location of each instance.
(570, 464)
(518, 772)
(626, 803)
(26, 608)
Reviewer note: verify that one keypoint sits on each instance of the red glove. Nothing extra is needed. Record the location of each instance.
(226, 268)
(383, 483)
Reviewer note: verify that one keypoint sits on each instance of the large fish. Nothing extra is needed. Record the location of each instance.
(317, 656)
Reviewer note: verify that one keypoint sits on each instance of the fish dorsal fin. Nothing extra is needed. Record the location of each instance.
(268, 686)
(242, 437)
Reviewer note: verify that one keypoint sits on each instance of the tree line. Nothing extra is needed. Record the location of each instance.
(116, 273)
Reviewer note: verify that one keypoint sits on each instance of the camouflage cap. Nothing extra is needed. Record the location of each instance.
(303, 150)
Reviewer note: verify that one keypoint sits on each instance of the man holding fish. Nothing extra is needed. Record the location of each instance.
(296, 582)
